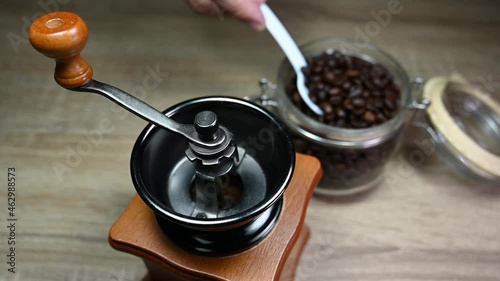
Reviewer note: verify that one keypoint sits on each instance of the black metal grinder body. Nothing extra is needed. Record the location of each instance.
(228, 213)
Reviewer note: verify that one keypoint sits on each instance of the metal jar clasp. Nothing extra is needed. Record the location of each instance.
(266, 96)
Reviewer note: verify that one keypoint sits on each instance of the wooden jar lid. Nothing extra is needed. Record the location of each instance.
(442, 121)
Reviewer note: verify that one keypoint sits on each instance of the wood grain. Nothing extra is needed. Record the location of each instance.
(424, 222)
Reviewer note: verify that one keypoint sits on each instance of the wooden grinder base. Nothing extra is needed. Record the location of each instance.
(274, 258)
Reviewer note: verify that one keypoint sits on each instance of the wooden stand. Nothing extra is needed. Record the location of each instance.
(274, 258)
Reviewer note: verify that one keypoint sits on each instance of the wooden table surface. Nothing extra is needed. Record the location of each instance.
(423, 223)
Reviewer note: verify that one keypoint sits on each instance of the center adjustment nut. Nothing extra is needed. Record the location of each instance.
(209, 131)
(206, 125)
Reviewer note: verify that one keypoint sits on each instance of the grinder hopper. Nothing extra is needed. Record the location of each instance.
(209, 209)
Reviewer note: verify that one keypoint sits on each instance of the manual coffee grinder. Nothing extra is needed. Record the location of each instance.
(210, 205)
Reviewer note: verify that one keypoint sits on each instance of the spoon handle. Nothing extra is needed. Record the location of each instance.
(292, 52)
(283, 38)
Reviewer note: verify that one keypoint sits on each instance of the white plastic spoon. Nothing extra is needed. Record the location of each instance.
(292, 52)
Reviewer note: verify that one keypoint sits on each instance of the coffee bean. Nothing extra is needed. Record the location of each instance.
(340, 79)
(338, 71)
(331, 63)
(336, 100)
(296, 98)
(340, 113)
(379, 83)
(326, 107)
(329, 118)
(365, 75)
(348, 104)
(388, 113)
(394, 87)
(341, 123)
(347, 85)
(352, 73)
(320, 61)
(341, 61)
(314, 98)
(358, 102)
(377, 93)
(370, 106)
(379, 103)
(370, 117)
(315, 78)
(369, 84)
(336, 91)
(340, 167)
(355, 91)
(358, 111)
(381, 118)
(322, 95)
(329, 77)
(357, 81)
(391, 95)
(366, 94)
(319, 86)
(316, 69)
(378, 71)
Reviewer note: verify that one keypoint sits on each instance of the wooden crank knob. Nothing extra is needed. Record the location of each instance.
(62, 36)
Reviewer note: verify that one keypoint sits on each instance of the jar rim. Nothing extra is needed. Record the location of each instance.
(335, 136)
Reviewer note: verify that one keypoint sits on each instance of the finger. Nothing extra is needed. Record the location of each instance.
(245, 10)
(203, 6)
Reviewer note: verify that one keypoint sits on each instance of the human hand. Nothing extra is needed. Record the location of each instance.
(245, 10)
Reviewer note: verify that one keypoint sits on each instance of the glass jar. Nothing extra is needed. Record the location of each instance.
(353, 160)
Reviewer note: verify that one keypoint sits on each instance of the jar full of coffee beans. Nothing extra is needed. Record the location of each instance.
(365, 96)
